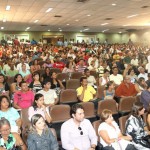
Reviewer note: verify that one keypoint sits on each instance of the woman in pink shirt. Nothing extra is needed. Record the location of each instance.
(23, 98)
(39, 108)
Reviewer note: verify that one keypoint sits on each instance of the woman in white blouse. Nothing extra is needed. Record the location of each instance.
(110, 135)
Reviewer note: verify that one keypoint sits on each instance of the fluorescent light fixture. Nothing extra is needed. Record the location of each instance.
(113, 4)
(7, 7)
(77, 20)
(27, 28)
(49, 30)
(4, 20)
(60, 30)
(68, 24)
(105, 30)
(2, 28)
(131, 16)
(36, 21)
(89, 15)
(120, 32)
(48, 10)
(126, 25)
(103, 24)
(86, 29)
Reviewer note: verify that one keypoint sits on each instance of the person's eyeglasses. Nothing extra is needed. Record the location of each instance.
(81, 132)
(6, 130)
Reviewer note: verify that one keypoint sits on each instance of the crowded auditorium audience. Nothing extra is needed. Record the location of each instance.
(34, 77)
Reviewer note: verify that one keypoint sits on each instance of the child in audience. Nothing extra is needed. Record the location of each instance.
(109, 92)
(39, 108)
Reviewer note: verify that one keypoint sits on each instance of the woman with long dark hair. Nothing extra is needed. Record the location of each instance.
(38, 107)
(137, 129)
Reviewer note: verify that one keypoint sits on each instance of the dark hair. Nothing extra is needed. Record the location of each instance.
(1, 98)
(114, 68)
(74, 109)
(129, 71)
(109, 83)
(22, 82)
(16, 76)
(106, 70)
(140, 80)
(36, 98)
(3, 77)
(85, 70)
(137, 106)
(82, 78)
(36, 73)
(45, 82)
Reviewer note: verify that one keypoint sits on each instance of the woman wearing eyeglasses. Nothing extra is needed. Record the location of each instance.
(40, 136)
(8, 140)
(110, 135)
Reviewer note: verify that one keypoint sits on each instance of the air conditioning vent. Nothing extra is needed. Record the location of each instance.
(144, 6)
(57, 16)
(108, 18)
(44, 25)
(81, 1)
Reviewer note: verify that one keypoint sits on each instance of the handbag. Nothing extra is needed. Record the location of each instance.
(99, 146)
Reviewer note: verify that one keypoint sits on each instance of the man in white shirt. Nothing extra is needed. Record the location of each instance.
(142, 73)
(78, 133)
(134, 61)
(50, 96)
(117, 78)
(19, 66)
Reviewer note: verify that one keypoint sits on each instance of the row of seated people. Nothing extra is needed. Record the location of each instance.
(77, 132)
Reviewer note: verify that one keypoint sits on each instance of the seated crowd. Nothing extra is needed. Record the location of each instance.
(119, 70)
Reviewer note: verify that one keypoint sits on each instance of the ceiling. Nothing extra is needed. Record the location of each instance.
(126, 14)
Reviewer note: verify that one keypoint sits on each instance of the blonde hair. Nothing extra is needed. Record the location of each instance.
(105, 114)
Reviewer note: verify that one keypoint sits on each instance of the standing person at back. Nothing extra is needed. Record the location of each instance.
(78, 133)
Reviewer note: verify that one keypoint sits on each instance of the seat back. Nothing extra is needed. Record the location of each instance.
(63, 76)
(100, 92)
(68, 96)
(57, 70)
(96, 126)
(89, 110)
(107, 104)
(60, 113)
(125, 104)
(72, 84)
(25, 124)
(76, 75)
(122, 122)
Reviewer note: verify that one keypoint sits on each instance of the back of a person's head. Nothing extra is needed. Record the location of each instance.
(105, 114)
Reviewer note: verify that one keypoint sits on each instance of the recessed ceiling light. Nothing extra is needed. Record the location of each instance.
(89, 15)
(126, 25)
(4, 20)
(131, 16)
(77, 20)
(49, 30)
(105, 30)
(27, 28)
(86, 29)
(113, 4)
(2, 28)
(60, 30)
(120, 32)
(103, 24)
(36, 21)
(68, 24)
(7, 7)
(48, 10)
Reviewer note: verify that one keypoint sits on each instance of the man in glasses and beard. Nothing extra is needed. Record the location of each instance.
(78, 133)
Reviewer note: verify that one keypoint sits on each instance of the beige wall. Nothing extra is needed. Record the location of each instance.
(142, 36)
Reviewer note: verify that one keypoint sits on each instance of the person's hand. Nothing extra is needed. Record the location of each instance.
(43, 107)
(84, 88)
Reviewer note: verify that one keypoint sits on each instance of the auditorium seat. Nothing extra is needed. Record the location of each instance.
(76, 75)
(73, 84)
(122, 122)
